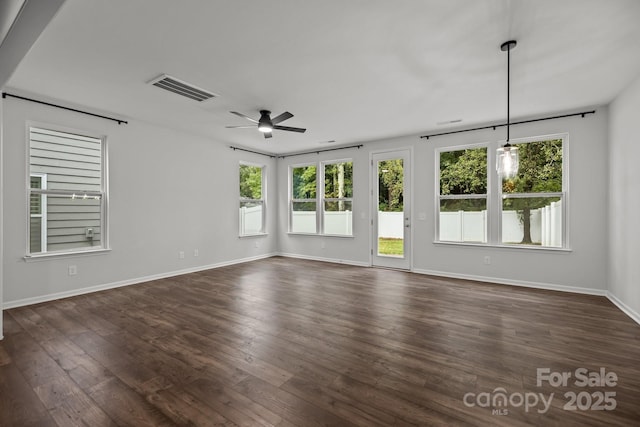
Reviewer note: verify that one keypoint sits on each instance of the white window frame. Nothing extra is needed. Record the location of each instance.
(495, 196)
(563, 195)
(102, 194)
(320, 192)
(43, 209)
(262, 200)
(292, 200)
(439, 197)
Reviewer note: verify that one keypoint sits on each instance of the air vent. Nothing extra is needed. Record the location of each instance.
(182, 88)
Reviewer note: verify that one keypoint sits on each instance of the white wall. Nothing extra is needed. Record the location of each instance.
(624, 199)
(584, 268)
(169, 192)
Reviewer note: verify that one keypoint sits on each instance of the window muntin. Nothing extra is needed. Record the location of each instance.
(66, 192)
(532, 201)
(337, 203)
(462, 207)
(252, 201)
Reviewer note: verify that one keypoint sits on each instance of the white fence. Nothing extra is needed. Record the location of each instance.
(460, 226)
(546, 226)
(339, 223)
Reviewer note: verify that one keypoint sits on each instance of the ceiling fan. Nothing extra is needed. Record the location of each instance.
(266, 124)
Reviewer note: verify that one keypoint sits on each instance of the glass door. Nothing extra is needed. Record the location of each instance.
(391, 213)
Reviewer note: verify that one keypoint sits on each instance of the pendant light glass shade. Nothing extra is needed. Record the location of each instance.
(507, 161)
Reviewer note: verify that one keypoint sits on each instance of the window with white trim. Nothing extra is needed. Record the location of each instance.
(463, 195)
(303, 203)
(321, 198)
(66, 192)
(532, 201)
(337, 202)
(252, 199)
(530, 207)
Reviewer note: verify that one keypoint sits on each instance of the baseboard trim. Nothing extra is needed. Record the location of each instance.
(635, 316)
(321, 259)
(75, 292)
(521, 283)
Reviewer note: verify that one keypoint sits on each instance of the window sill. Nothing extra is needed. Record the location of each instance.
(243, 236)
(516, 247)
(54, 255)
(340, 236)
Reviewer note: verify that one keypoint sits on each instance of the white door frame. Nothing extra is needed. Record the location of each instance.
(406, 262)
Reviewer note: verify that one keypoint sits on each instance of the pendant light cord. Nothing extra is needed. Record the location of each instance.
(508, 89)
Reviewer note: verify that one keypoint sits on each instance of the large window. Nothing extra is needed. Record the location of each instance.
(304, 205)
(252, 199)
(529, 208)
(463, 195)
(67, 198)
(321, 198)
(532, 201)
(338, 198)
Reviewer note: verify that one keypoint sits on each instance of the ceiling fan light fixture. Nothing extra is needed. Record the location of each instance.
(507, 156)
(264, 124)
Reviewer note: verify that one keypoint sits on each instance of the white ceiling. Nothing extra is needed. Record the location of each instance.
(349, 71)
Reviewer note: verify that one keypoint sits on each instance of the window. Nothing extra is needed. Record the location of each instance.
(530, 207)
(252, 199)
(303, 199)
(532, 201)
(67, 198)
(338, 198)
(321, 198)
(463, 195)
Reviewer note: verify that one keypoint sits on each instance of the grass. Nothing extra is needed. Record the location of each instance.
(388, 246)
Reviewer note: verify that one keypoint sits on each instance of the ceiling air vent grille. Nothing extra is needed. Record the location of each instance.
(182, 88)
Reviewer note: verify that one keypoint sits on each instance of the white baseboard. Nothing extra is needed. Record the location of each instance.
(66, 294)
(332, 260)
(634, 315)
(526, 284)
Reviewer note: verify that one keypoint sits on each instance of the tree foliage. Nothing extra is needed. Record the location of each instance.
(391, 185)
(304, 182)
(250, 182)
(338, 180)
(463, 172)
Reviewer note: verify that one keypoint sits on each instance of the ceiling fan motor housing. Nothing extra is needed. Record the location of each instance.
(264, 124)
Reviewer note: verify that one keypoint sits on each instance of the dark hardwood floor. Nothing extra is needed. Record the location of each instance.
(283, 342)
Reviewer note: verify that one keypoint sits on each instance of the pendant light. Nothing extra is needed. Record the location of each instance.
(507, 155)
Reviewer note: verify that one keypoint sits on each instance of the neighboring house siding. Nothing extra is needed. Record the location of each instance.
(72, 163)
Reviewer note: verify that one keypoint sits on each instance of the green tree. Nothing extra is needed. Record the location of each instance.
(463, 172)
(250, 182)
(539, 171)
(338, 184)
(391, 185)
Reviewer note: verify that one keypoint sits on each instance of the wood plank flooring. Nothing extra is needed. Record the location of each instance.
(283, 342)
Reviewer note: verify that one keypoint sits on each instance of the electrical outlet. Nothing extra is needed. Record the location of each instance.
(257, 244)
(181, 254)
(196, 252)
(322, 245)
(73, 270)
(487, 260)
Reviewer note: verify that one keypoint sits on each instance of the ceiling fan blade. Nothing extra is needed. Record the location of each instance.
(267, 135)
(239, 127)
(281, 118)
(290, 129)
(243, 116)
